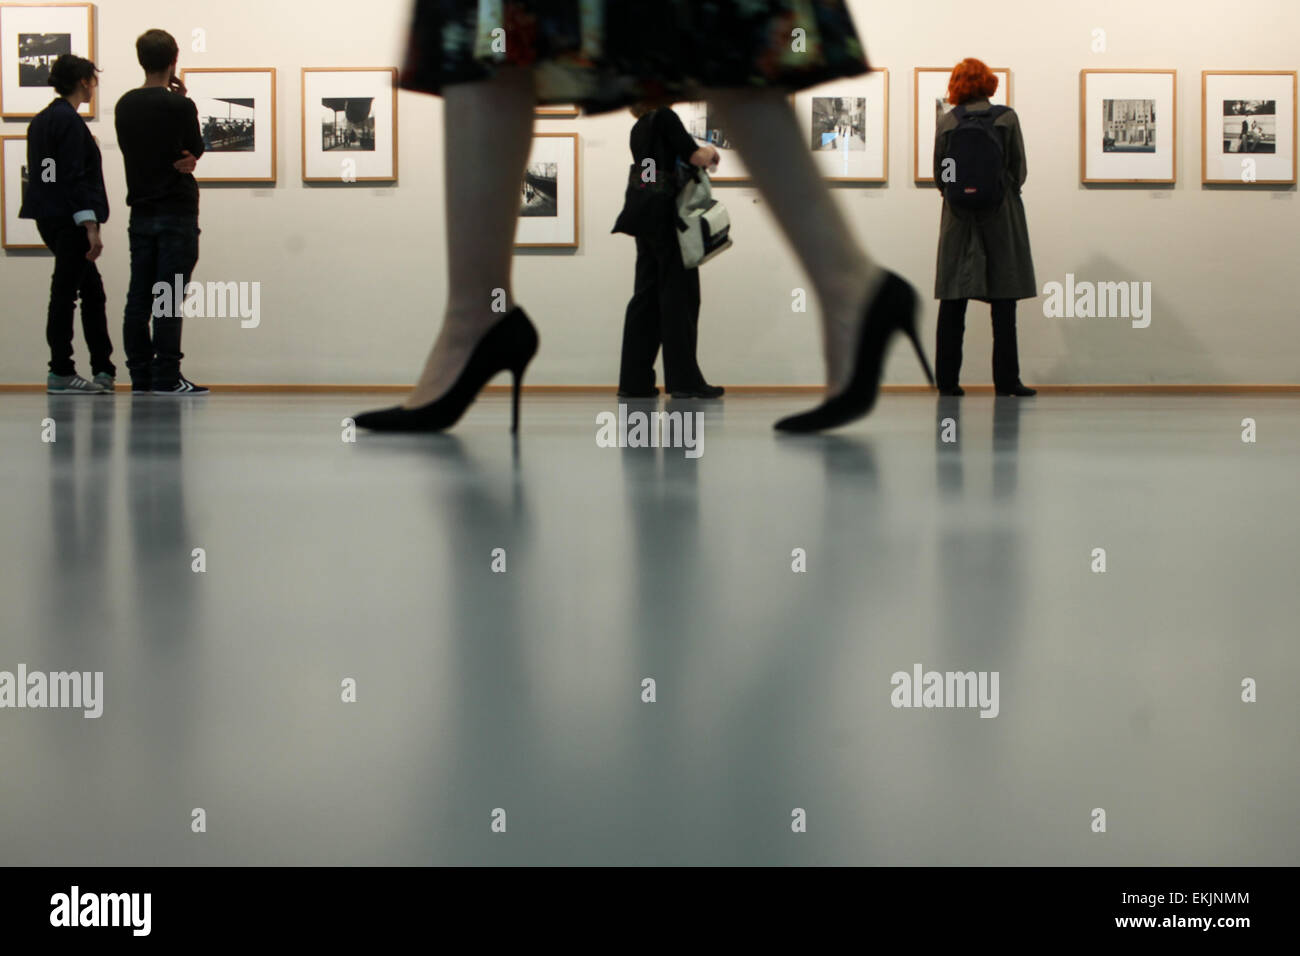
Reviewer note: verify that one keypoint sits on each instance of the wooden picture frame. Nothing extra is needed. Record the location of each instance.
(9, 204)
(923, 136)
(383, 80)
(1139, 78)
(545, 235)
(270, 158)
(555, 111)
(14, 102)
(1214, 160)
(874, 148)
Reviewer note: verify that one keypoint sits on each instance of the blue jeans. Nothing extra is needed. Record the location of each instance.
(162, 248)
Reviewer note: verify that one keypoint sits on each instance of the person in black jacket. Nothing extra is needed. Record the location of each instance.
(158, 131)
(66, 197)
(665, 304)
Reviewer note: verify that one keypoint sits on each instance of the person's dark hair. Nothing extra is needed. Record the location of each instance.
(156, 50)
(68, 71)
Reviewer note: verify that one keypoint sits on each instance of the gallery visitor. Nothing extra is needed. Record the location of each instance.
(66, 196)
(665, 304)
(980, 167)
(158, 131)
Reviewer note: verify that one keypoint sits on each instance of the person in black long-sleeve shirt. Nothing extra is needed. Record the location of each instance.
(158, 131)
(665, 305)
(65, 195)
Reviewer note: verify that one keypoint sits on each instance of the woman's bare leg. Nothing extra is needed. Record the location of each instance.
(764, 128)
(488, 130)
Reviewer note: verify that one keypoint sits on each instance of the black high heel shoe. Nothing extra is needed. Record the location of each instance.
(892, 310)
(508, 347)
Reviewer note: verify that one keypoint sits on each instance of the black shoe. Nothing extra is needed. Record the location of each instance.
(892, 310)
(955, 392)
(183, 386)
(508, 347)
(703, 390)
(625, 393)
(142, 387)
(1017, 391)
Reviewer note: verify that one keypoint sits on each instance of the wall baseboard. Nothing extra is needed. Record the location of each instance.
(1110, 389)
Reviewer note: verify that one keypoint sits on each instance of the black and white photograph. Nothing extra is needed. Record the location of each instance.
(237, 116)
(1129, 126)
(32, 37)
(348, 123)
(1250, 126)
(229, 124)
(548, 195)
(37, 53)
(839, 123)
(349, 117)
(541, 183)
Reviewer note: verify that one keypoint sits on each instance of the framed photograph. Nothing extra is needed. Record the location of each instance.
(32, 37)
(548, 196)
(705, 124)
(565, 111)
(1248, 127)
(237, 117)
(930, 104)
(15, 233)
(846, 125)
(1128, 126)
(349, 125)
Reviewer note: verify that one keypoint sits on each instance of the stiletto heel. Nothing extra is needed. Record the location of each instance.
(892, 310)
(517, 375)
(920, 353)
(508, 347)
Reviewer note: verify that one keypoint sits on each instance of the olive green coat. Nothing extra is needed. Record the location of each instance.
(986, 258)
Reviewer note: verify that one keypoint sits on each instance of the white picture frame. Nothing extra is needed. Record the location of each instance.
(548, 214)
(237, 116)
(846, 125)
(32, 36)
(930, 103)
(342, 140)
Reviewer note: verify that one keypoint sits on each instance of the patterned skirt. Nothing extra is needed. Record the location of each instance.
(604, 54)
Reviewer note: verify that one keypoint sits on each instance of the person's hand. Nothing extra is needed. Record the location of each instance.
(176, 86)
(187, 163)
(96, 244)
(706, 157)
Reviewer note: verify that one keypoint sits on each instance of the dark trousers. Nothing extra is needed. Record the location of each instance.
(952, 329)
(74, 276)
(664, 311)
(163, 247)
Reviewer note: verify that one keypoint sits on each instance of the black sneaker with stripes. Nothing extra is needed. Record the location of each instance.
(182, 387)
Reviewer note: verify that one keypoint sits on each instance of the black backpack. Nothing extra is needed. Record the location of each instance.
(978, 161)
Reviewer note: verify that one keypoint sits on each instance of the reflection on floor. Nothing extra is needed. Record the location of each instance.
(479, 691)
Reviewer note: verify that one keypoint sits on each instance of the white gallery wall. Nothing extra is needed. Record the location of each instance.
(353, 276)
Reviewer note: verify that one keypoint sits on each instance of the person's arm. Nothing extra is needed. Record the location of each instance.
(193, 136)
(682, 144)
(69, 142)
(940, 149)
(1017, 164)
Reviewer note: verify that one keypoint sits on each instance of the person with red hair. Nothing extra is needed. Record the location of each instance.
(979, 166)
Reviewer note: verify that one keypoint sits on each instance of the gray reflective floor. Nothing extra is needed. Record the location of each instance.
(523, 691)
